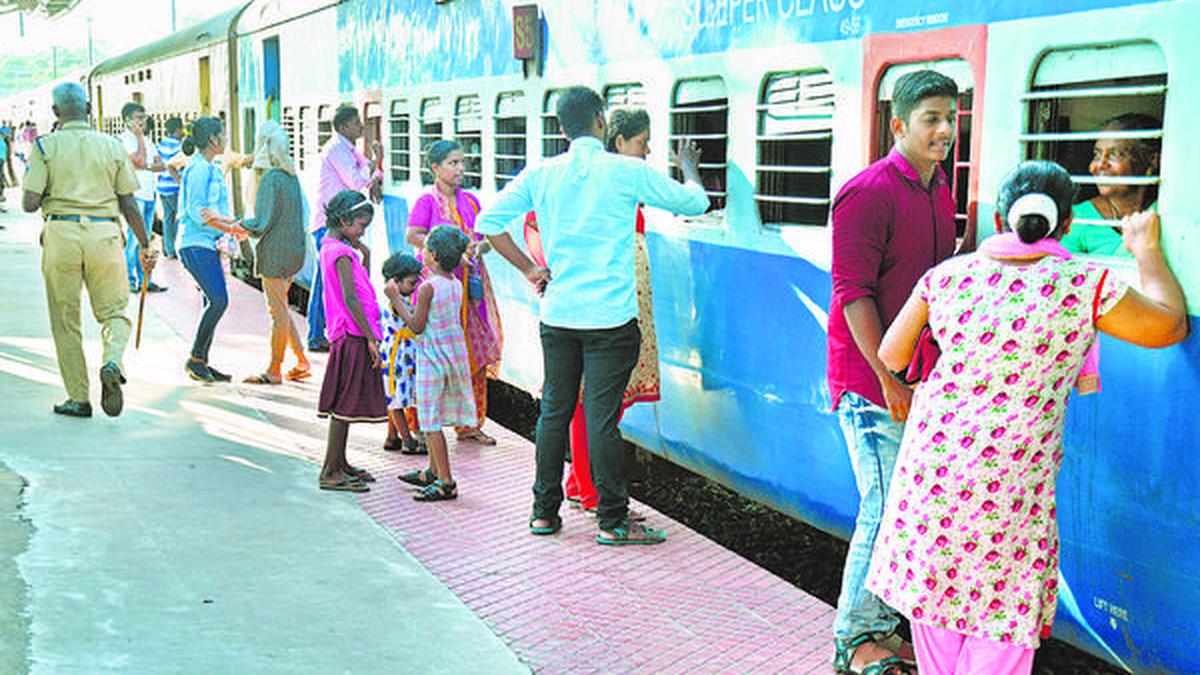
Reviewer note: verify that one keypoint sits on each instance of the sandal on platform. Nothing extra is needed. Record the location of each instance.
(296, 374)
(477, 436)
(630, 534)
(420, 478)
(411, 446)
(553, 525)
(347, 484)
(844, 657)
(261, 378)
(437, 491)
(392, 445)
(360, 473)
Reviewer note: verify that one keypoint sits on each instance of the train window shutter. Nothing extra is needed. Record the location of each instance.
(430, 130)
(468, 131)
(795, 148)
(399, 141)
(510, 135)
(627, 95)
(553, 141)
(700, 113)
(1075, 91)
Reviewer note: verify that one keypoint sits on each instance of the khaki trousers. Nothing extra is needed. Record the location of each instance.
(75, 254)
(283, 330)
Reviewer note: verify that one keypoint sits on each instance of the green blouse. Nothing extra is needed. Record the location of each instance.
(1094, 239)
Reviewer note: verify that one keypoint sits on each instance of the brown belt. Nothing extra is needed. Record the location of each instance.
(83, 219)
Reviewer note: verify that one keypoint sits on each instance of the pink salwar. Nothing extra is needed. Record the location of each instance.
(944, 652)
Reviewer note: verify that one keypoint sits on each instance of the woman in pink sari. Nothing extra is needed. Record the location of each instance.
(447, 203)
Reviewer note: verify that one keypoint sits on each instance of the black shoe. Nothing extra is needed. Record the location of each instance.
(198, 371)
(154, 288)
(322, 348)
(111, 398)
(218, 376)
(73, 409)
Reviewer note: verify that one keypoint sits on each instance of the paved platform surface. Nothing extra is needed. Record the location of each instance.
(560, 604)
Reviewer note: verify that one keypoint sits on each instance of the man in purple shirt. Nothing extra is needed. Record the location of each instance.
(343, 167)
(891, 223)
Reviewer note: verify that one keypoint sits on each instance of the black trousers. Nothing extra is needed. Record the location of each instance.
(604, 360)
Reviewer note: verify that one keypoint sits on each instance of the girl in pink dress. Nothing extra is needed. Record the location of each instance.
(352, 390)
(968, 546)
(444, 395)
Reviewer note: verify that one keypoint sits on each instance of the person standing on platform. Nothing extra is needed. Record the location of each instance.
(168, 184)
(586, 202)
(5, 150)
(146, 163)
(343, 167)
(82, 181)
(891, 223)
(10, 141)
(447, 203)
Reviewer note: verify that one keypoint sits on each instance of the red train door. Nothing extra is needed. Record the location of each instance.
(960, 53)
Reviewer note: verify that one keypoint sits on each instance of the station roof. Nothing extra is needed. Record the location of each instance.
(49, 7)
(212, 31)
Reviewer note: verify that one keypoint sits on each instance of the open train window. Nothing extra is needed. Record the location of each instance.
(553, 141)
(700, 112)
(324, 127)
(510, 136)
(304, 132)
(468, 131)
(795, 148)
(1075, 94)
(629, 95)
(957, 166)
(289, 128)
(429, 131)
(399, 142)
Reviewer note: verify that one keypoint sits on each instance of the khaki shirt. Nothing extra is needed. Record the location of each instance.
(79, 172)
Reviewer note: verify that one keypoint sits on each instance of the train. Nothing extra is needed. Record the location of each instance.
(788, 99)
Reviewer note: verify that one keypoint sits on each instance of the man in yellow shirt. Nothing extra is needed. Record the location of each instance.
(82, 181)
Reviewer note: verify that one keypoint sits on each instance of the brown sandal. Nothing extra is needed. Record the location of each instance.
(477, 436)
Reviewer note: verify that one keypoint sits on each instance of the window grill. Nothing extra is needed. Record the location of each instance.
(553, 141)
(430, 130)
(399, 142)
(628, 95)
(289, 128)
(304, 133)
(795, 148)
(324, 127)
(510, 136)
(468, 131)
(700, 112)
(1075, 91)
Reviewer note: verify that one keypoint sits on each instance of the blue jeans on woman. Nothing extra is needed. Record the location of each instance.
(874, 442)
(205, 267)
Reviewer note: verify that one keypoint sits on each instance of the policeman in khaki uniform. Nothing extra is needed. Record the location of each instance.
(82, 181)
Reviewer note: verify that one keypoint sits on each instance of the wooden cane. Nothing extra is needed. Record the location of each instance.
(137, 340)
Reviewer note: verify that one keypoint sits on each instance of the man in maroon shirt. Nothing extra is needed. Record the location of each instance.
(891, 223)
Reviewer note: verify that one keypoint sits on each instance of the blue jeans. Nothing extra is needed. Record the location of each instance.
(316, 301)
(205, 267)
(874, 442)
(170, 204)
(133, 266)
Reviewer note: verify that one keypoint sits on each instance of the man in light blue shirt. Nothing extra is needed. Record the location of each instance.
(586, 203)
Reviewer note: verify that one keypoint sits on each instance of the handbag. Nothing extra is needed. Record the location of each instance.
(474, 285)
(925, 357)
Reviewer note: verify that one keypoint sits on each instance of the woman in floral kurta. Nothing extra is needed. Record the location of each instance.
(969, 541)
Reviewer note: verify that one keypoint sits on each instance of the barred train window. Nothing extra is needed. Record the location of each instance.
(700, 112)
(289, 128)
(795, 146)
(303, 133)
(468, 131)
(957, 166)
(399, 149)
(510, 135)
(430, 130)
(324, 127)
(1075, 91)
(553, 141)
(630, 95)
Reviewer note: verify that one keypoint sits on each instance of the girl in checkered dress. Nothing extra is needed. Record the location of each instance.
(401, 273)
(444, 395)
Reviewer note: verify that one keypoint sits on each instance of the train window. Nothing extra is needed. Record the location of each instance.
(429, 131)
(958, 165)
(304, 132)
(510, 135)
(631, 95)
(324, 127)
(468, 131)
(553, 141)
(795, 147)
(399, 143)
(700, 112)
(1074, 93)
(248, 131)
(289, 128)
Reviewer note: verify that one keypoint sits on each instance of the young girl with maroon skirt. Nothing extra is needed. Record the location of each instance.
(352, 390)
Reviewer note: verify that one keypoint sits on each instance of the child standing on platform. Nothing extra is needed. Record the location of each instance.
(352, 390)
(444, 395)
(402, 273)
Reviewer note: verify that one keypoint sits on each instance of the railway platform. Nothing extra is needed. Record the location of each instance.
(188, 535)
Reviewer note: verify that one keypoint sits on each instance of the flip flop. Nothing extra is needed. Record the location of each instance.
(296, 374)
(554, 526)
(360, 474)
(348, 484)
(631, 535)
(477, 436)
(261, 378)
(413, 447)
